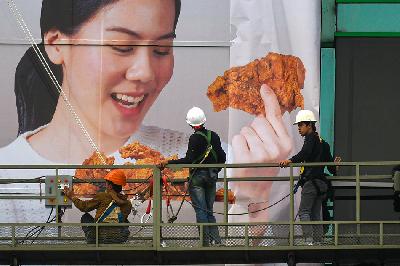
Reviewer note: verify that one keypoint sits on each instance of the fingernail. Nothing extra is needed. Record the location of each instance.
(266, 88)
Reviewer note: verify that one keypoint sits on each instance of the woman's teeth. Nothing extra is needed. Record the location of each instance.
(126, 100)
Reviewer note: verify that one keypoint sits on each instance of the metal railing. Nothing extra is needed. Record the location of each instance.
(157, 235)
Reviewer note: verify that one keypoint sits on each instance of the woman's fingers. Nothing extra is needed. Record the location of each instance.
(274, 116)
(273, 111)
(257, 150)
(268, 137)
(241, 150)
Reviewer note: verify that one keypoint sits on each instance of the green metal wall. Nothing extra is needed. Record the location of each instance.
(349, 18)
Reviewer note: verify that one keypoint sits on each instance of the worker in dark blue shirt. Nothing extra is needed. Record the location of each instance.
(313, 180)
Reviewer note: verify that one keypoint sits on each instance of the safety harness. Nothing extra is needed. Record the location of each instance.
(112, 214)
(209, 148)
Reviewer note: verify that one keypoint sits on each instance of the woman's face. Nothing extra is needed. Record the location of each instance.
(113, 83)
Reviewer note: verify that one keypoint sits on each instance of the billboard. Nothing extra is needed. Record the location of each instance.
(120, 71)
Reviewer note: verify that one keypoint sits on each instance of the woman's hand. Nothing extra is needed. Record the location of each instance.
(266, 140)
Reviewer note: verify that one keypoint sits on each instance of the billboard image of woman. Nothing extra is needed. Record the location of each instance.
(130, 69)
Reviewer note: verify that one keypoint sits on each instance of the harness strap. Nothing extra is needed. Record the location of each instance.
(209, 147)
(107, 211)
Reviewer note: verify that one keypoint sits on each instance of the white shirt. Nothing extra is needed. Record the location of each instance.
(20, 152)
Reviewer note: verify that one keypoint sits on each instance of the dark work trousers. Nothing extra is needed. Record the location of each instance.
(310, 208)
(90, 231)
(107, 235)
(202, 191)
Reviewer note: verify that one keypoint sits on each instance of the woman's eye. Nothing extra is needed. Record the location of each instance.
(162, 51)
(122, 49)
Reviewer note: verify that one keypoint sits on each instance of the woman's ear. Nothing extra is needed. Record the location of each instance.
(54, 46)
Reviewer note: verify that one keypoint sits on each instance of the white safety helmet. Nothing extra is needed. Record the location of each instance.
(195, 117)
(305, 116)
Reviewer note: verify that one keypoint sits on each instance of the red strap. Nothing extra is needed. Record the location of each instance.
(164, 180)
(148, 208)
(165, 183)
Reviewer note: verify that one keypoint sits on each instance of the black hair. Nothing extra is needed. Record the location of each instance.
(36, 95)
(116, 188)
(310, 123)
(68, 15)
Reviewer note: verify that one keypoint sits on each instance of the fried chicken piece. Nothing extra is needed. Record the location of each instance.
(219, 196)
(143, 174)
(137, 173)
(178, 173)
(239, 88)
(144, 155)
(152, 157)
(176, 191)
(136, 151)
(94, 159)
(85, 189)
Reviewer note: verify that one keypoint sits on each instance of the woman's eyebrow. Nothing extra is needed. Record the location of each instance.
(135, 34)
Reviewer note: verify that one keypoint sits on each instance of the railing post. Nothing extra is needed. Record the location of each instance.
(358, 192)
(13, 235)
(201, 234)
(157, 199)
(291, 229)
(57, 210)
(97, 235)
(226, 216)
(358, 199)
(336, 233)
(246, 235)
(57, 206)
(225, 197)
(381, 233)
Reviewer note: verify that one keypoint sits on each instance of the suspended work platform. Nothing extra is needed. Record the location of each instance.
(181, 244)
(157, 242)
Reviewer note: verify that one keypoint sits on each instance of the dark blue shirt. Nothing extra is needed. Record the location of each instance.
(314, 150)
(197, 146)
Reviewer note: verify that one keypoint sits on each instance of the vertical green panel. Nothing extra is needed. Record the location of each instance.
(328, 21)
(327, 96)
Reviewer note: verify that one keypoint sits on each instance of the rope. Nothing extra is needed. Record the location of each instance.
(229, 214)
(39, 54)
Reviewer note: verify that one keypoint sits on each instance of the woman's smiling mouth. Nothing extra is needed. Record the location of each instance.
(127, 101)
